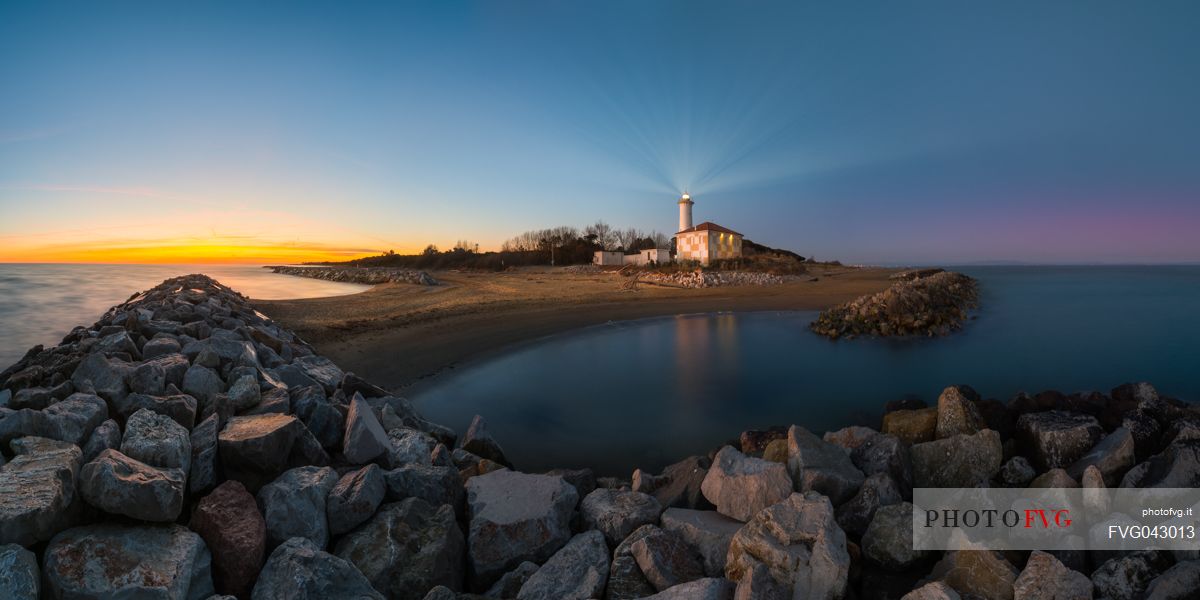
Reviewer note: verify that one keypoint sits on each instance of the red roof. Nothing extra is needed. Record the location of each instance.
(709, 226)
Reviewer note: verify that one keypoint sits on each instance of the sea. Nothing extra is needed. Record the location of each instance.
(41, 303)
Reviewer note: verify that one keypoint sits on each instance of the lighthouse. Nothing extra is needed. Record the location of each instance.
(685, 212)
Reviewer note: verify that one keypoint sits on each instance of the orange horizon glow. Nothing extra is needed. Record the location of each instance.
(182, 252)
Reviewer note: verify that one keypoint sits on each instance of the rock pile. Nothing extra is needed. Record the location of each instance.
(186, 446)
(707, 279)
(929, 305)
(364, 275)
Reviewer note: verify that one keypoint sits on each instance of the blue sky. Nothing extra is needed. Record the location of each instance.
(875, 132)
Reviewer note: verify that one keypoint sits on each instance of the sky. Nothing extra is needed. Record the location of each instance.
(886, 133)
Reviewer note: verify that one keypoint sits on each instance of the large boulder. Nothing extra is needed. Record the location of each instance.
(1056, 438)
(958, 461)
(19, 578)
(355, 498)
(479, 441)
(157, 440)
(1046, 578)
(407, 548)
(180, 407)
(202, 383)
(322, 370)
(102, 374)
(203, 439)
(710, 588)
(625, 578)
(799, 543)
(678, 485)
(759, 585)
(1017, 472)
(616, 514)
(981, 573)
(666, 559)
(1128, 576)
(912, 426)
(515, 517)
(934, 590)
(320, 416)
(885, 453)
(299, 570)
(235, 532)
(822, 467)
(294, 505)
(117, 561)
(888, 541)
(510, 584)
(365, 439)
(1178, 466)
(708, 531)
(435, 485)
(578, 571)
(1180, 582)
(255, 449)
(957, 414)
(878, 490)
(118, 484)
(409, 446)
(72, 420)
(740, 486)
(38, 495)
(105, 436)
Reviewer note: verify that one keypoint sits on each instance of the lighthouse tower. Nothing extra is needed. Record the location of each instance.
(685, 212)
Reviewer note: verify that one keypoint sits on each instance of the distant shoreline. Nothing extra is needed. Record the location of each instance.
(398, 334)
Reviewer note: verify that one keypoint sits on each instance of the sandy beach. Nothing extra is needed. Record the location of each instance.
(397, 334)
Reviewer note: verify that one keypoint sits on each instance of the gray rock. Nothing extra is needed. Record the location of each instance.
(1178, 466)
(148, 378)
(409, 446)
(202, 383)
(435, 485)
(821, 467)
(157, 440)
(1017, 472)
(322, 370)
(37, 495)
(117, 343)
(625, 578)
(365, 439)
(976, 573)
(1180, 582)
(1113, 456)
(885, 453)
(700, 589)
(105, 436)
(666, 559)
(294, 505)
(515, 517)
(479, 441)
(293, 376)
(1128, 576)
(160, 346)
(616, 514)
(354, 499)
(180, 407)
(115, 561)
(1054, 478)
(510, 584)
(708, 531)
(759, 585)
(888, 540)
(73, 419)
(1045, 578)
(101, 374)
(118, 484)
(407, 548)
(959, 461)
(849, 438)
(956, 414)
(255, 449)
(19, 578)
(207, 357)
(1146, 430)
(175, 366)
(679, 485)
(203, 474)
(936, 590)
(36, 398)
(578, 571)
(20, 423)
(878, 490)
(320, 416)
(741, 486)
(801, 545)
(299, 570)
(274, 400)
(244, 393)
(1057, 438)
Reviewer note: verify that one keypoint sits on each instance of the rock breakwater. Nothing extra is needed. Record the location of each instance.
(920, 303)
(708, 279)
(364, 275)
(186, 445)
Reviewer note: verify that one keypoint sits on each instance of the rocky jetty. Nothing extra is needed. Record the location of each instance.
(364, 275)
(708, 279)
(931, 302)
(185, 446)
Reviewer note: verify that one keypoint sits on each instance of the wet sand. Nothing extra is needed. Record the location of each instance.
(397, 334)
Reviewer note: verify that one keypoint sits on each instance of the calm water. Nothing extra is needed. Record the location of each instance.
(39, 304)
(650, 392)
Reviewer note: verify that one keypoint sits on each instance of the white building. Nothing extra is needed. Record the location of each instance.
(705, 242)
(605, 258)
